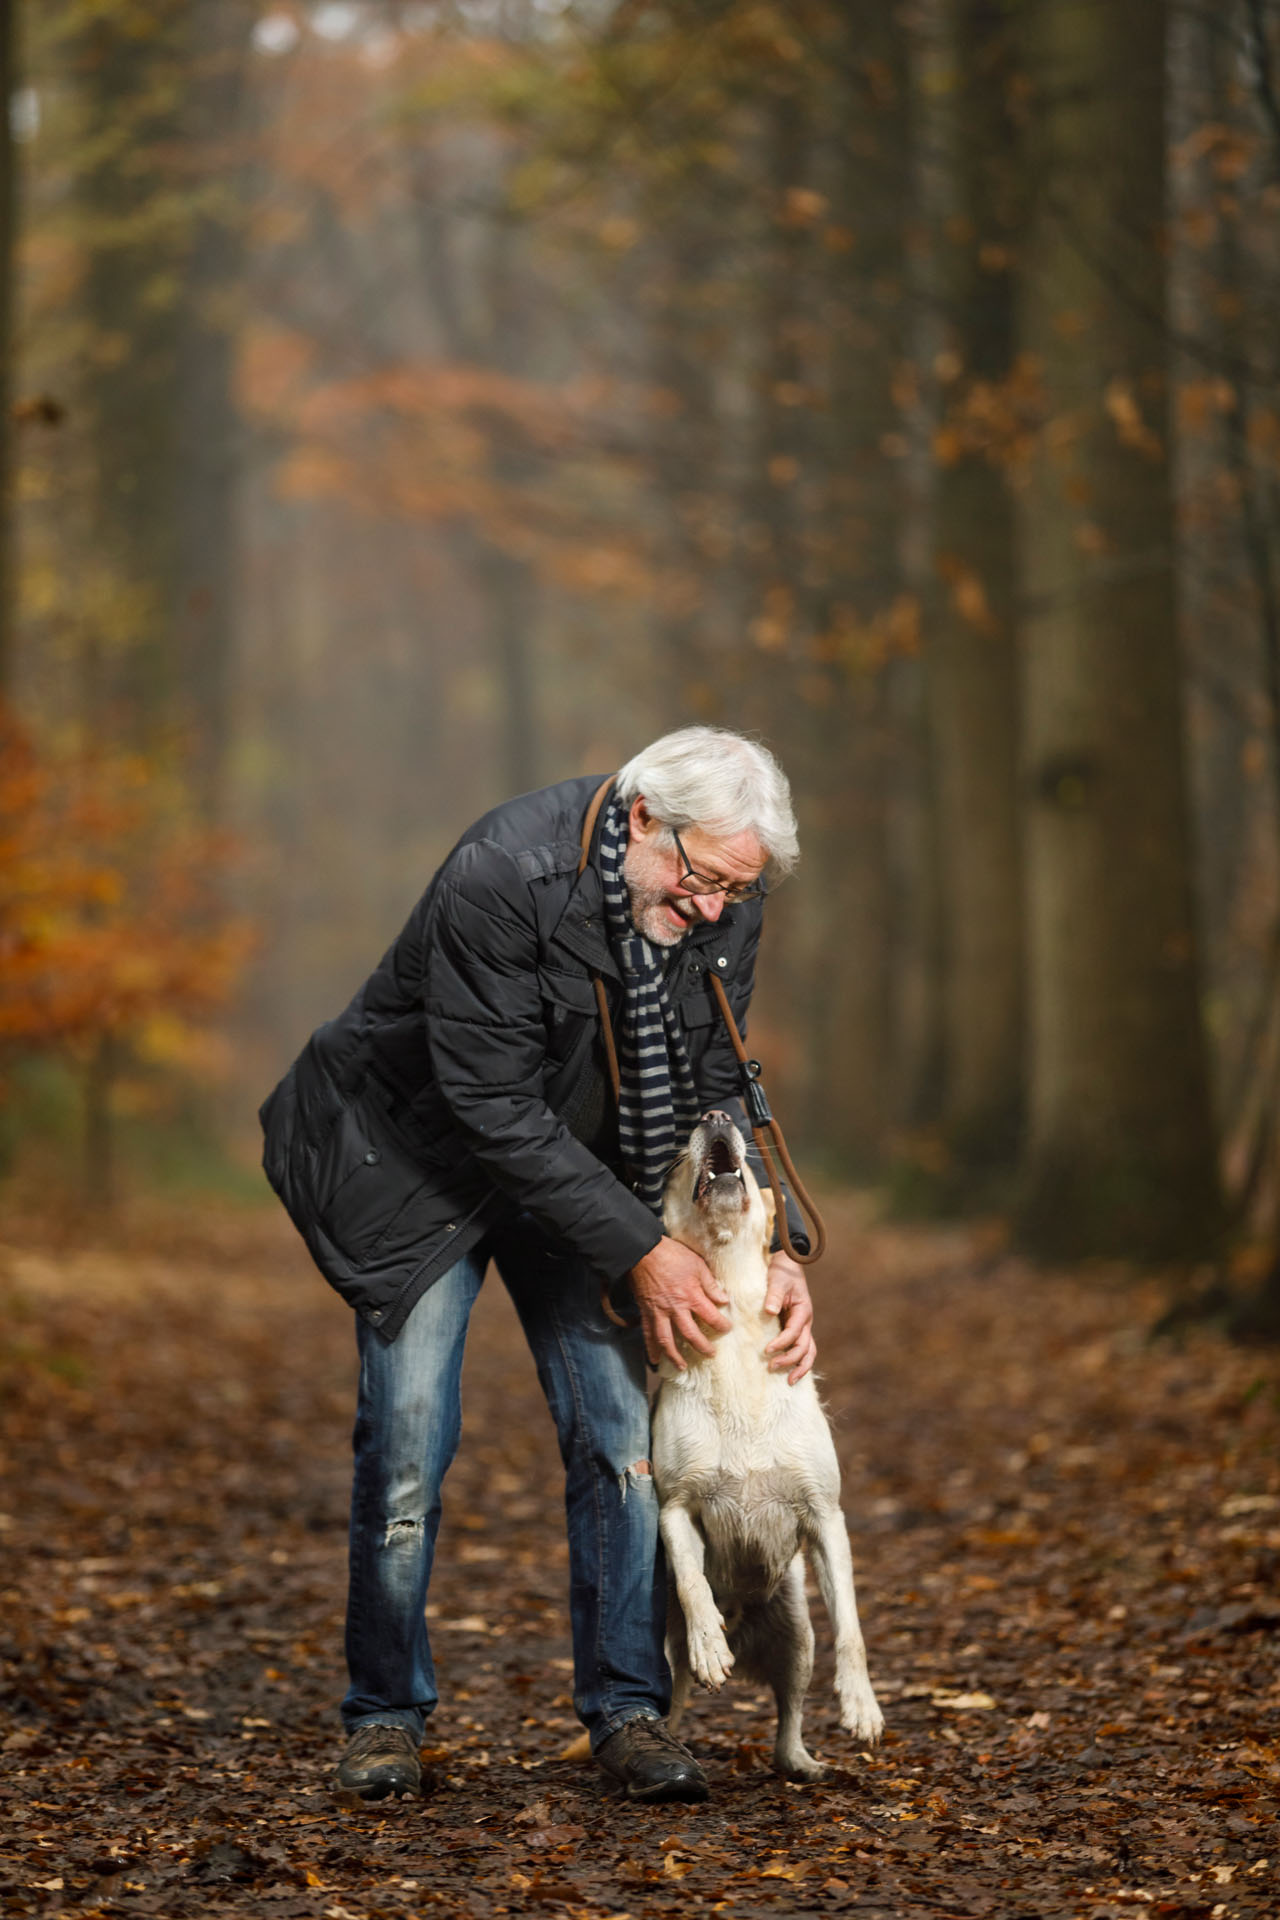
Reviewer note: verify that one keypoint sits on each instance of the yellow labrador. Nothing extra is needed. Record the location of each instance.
(747, 1476)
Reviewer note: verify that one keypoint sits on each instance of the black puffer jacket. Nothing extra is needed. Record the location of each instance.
(410, 1122)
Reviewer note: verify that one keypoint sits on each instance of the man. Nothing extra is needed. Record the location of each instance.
(460, 1111)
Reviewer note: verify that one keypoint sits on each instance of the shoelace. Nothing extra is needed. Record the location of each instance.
(658, 1730)
(375, 1734)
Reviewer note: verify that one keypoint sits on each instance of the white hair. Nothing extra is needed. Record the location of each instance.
(719, 781)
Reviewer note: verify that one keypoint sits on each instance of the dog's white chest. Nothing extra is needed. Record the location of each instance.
(728, 1421)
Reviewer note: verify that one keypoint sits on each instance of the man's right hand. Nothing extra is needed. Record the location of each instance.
(675, 1289)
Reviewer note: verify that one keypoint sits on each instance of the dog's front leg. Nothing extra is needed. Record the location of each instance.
(860, 1713)
(709, 1655)
(677, 1657)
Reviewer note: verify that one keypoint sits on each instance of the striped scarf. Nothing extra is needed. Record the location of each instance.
(658, 1106)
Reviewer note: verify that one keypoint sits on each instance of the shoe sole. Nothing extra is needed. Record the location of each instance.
(690, 1791)
(353, 1799)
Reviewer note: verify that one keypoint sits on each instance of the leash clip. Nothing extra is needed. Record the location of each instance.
(754, 1095)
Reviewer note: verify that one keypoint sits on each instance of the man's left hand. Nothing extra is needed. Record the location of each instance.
(792, 1351)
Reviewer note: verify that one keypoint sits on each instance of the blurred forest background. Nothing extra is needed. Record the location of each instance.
(406, 405)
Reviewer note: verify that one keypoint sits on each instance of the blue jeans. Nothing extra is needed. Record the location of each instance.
(408, 1421)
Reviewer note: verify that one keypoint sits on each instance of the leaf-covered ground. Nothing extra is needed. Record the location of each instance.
(1066, 1539)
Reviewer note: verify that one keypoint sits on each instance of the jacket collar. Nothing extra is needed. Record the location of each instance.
(708, 933)
(580, 927)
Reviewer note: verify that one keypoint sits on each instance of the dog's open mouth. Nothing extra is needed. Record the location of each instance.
(720, 1163)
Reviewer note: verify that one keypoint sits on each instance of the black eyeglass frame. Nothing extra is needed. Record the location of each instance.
(736, 892)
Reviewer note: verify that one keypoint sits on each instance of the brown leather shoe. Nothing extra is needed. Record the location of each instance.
(380, 1762)
(649, 1763)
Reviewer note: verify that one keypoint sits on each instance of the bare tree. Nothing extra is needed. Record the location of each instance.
(8, 198)
(972, 641)
(1122, 1154)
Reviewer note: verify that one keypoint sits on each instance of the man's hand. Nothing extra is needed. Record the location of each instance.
(674, 1289)
(793, 1350)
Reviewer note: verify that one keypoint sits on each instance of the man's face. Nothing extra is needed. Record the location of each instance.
(661, 909)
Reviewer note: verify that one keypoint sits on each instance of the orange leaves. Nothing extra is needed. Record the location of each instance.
(1230, 151)
(967, 592)
(618, 233)
(802, 207)
(428, 390)
(1202, 403)
(109, 920)
(1131, 429)
(441, 441)
(855, 644)
(991, 419)
(275, 363)
(451, 407)
(428, 440)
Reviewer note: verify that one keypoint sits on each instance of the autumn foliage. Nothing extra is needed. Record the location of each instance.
(111, 918)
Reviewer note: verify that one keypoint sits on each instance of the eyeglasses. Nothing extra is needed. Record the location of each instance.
(734, 891)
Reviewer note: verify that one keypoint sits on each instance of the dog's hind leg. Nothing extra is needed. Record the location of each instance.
(828, 1540)
(709, 1655)
(783, 1655)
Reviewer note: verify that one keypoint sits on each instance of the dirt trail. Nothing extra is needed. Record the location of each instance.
(1066, 1543)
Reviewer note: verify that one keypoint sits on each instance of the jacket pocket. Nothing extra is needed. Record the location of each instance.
(698, 1008)
(568, 1006)
(366, 1181)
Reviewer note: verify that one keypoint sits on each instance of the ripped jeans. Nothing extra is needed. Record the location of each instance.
(407, 1426)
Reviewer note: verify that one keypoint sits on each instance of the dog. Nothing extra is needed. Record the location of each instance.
(747, 1478)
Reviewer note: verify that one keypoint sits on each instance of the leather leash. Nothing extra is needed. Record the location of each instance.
(765, 1130)
(767, 1135)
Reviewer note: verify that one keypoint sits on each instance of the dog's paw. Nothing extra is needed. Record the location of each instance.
(710, 1660)
(860, 1713)
(797, 1763)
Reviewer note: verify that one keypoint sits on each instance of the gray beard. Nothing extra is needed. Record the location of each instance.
(642, 900)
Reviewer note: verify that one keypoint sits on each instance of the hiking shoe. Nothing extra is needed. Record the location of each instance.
(381, 1762)
(649, 1763)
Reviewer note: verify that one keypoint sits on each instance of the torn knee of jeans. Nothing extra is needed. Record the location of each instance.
(638, 1474)
(403, 1532)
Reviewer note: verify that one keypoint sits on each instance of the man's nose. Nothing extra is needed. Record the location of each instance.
(709, 905)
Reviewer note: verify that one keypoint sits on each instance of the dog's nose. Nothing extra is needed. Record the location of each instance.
(716, 1116)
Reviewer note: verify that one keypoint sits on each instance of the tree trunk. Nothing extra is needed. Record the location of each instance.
(694, 665)
(1121, 1152)
(101, 1071)
(772, 619)
(972, 656)
(207, 429)
(856, 992)
(490, 329)
(8, 203)
(127, 70)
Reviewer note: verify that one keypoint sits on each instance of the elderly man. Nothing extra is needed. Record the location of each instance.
(460, 1111)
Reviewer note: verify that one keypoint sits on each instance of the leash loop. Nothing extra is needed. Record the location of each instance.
(754, 1096)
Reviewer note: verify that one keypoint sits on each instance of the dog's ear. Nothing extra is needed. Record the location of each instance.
(673, 1194)
(770, 1215)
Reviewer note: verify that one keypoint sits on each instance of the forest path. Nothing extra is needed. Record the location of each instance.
(1066, 1541)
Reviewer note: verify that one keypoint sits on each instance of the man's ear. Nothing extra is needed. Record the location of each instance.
(640, 820)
